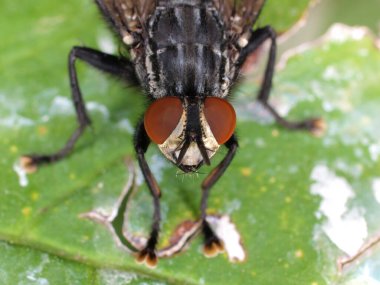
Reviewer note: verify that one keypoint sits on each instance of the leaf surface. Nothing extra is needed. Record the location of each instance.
(270, 191)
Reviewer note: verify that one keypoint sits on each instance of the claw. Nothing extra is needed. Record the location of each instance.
(213, 247)
(28, 164)
(317, 127)
(148, 256)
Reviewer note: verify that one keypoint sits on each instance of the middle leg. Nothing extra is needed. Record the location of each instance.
(258, 37)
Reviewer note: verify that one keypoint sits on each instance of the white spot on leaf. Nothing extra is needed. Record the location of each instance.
(376, 189)
(337, 33)
(347, 229)
(64, 106)
(341, 33)
(374, 151)
(33, 274)
(95, 106)
(9, 107)
(365, 276)
(15, 120)
(115, 277)
(21, 173)
(125, 125)
(233, 206)
(61, 106)
(331, 74)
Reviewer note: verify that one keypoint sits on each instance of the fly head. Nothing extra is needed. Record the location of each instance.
(190, 130)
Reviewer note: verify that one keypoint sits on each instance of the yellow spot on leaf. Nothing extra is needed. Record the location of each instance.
(35, 196)
(72, 176)
(85, 238)
(42, 130)
(272, 180)
(188, 214)
(314, 283)
(288, 199)
(13, 149)
(212, 211)
(217, 201)
(299, 253)
(26, 211)
(263, 189)
(254, 274)
(165, 242)
(245, 171)
(275, 133)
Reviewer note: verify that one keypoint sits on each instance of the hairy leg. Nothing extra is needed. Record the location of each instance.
(116, 66)
(258, 37)
(141, 143)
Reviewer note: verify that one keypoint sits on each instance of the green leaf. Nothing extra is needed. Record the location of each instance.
(272, 190)
(282, 15)
(24, 265)
(21, 265)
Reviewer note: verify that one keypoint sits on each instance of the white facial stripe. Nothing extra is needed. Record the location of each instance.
(193, 155)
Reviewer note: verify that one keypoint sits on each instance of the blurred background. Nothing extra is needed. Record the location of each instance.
(325, 13)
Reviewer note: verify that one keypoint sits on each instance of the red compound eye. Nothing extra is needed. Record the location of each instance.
(221, 118)
(162, 117)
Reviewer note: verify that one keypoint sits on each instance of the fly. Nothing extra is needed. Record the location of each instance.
(185, 55)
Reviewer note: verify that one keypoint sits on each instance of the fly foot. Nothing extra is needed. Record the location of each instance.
(147, 256)
(212, 244)
(316, 126)
(29, 163)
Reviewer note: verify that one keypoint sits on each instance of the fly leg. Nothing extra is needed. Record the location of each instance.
(211, 242)
(141, 142)
(107, 63)
(258, 37)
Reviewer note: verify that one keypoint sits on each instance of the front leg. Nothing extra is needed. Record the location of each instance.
(116, 66)
(258, 37)
(212, 244)
(142, 141)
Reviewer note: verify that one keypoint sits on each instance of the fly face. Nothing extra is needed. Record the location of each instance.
(189, 132)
